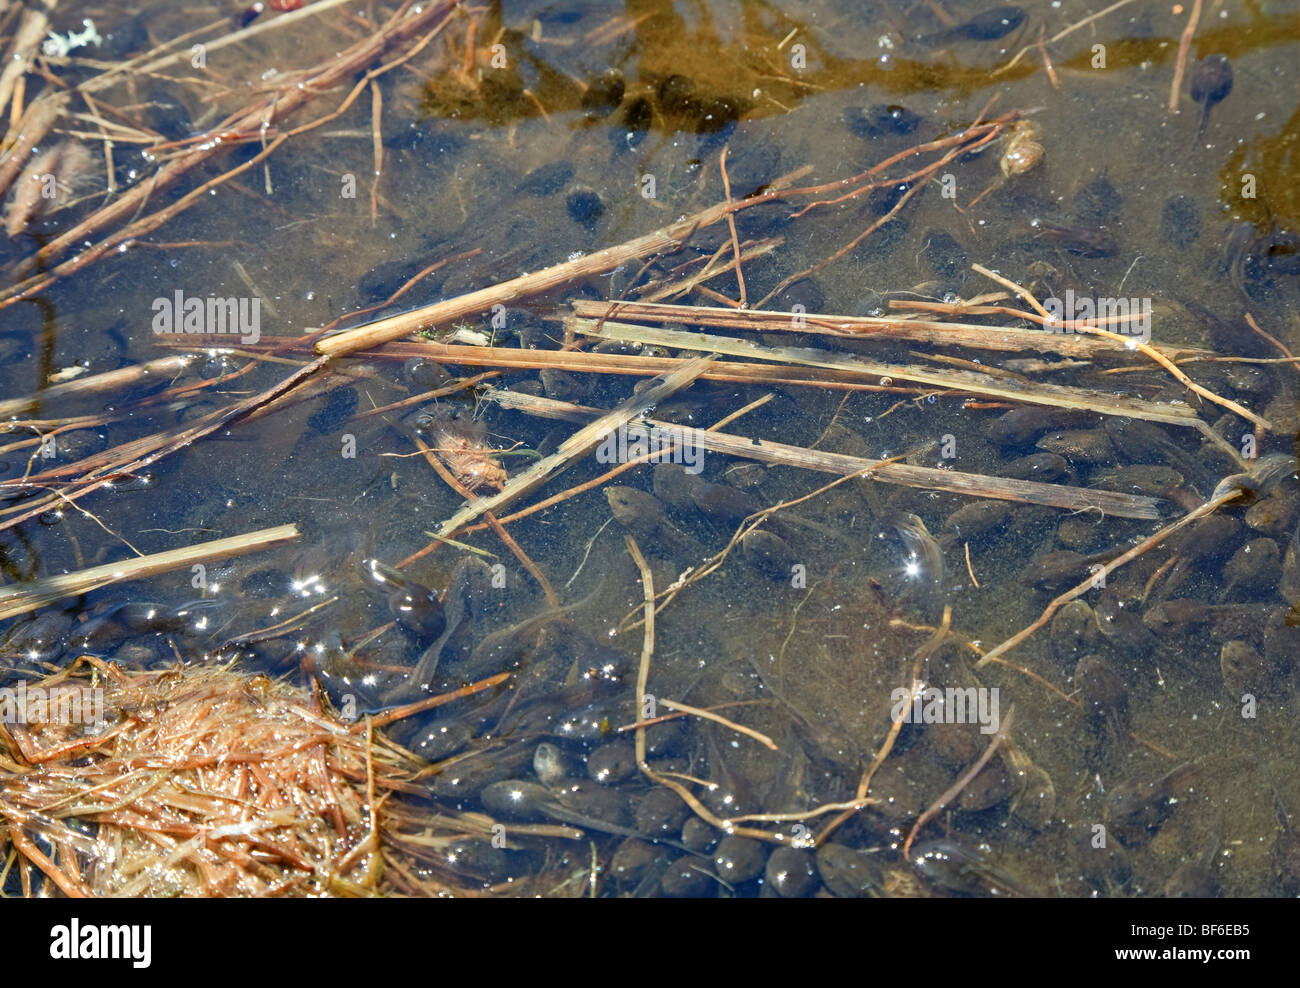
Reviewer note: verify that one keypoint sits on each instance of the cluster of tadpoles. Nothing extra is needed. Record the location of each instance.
(124, 220)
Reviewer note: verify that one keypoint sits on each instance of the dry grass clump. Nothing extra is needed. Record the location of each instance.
(200, 781)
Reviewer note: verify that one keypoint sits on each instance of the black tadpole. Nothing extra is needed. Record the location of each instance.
(988, 26)
(1211, 81)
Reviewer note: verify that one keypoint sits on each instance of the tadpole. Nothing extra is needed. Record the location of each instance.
(1211, 81)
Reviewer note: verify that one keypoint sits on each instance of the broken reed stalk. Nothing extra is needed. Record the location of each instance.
(614, 363)
(662, 241)
(31, 32)
(1034, 393)
(927, 478)
(1003, 338)
(52, 427)
(149, 449)
(580, 443)
(647, 646)
(19, 598)
(32, 127)
(251, 121)
(1133, 343)
(114, 380)
(665, 240)
(679, 282)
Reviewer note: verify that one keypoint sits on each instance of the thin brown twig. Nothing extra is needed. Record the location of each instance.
(758, 736)
(1061, 34)
(643, 678)
(955, 789)
(731, 224)
(1250, 321)
(913, 687)
(1184, 43)
(1105, 571)
(1047, 61)
(971, 569)
(377, 143)
(915, 180)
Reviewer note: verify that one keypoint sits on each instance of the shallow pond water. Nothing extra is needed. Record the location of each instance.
(520, 136)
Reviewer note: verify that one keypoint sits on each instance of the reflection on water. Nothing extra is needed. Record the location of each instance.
(1157, 706)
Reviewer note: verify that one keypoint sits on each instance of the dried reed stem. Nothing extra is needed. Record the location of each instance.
(769, 451)
(19, 598)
